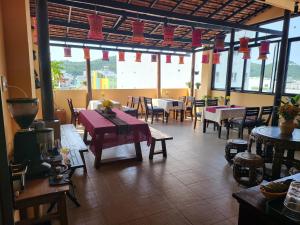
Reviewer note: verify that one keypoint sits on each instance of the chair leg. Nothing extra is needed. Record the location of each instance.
(152, 116)
(195, 122)
(163, 117)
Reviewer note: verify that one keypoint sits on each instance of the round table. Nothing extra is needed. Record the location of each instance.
(271, 136)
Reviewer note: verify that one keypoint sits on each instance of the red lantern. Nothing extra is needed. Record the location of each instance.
(138, 31)
(168, 59)
(138, 57)
(168, 35)
(264, 47)
(219, 42)
(197, 38)
(205, 58)
(121, 56)
(153, 58)
(181, 59)
(105, 55)
(86, 52)
(216, 58)
(95, 22)
(35, 32)
(247, 55)
(67, 52)
(244, 45)
(262, 56)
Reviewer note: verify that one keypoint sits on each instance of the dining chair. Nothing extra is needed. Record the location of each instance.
(179, 111)
(189, 106)
(248, 121)
(129, 108)
(74, 112)
(198, 106)
(212, 102)
(152, 110)
(265, 116)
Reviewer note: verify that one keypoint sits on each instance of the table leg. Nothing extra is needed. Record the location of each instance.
(138, 151)
(204, 125)
(98, 156)
(62, 210)
(181, 115)
(85, 137)
(219, 130)
(277, 162)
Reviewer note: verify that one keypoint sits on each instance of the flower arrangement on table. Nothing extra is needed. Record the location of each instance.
(289, 111)
(107, 105)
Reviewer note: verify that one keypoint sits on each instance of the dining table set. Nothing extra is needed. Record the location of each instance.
(170, 105)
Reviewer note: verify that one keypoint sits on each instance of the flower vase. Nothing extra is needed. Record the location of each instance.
(107, 110)
(287, 127)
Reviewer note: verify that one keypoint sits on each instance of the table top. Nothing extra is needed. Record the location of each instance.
(254, 198)
(39, 188)
(274, 133)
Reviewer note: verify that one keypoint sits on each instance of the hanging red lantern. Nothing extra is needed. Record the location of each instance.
(95, 22)
(35, 32)
(219, 42)
(197, 38)
(181, 59)
(244, 45)
(247, 55)
(153, 58)
(205, 58)
(264, 47)
(86, 52)
(105, 55)
(168, 59)
(121, 56)
(168, 35)
(138, 31)
(262, 56)
(138, 57)
(67, 52)
(216, 58)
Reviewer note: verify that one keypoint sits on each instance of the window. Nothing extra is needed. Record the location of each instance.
(292, 85)
(198, 67)
(237, 70)
(220, 71)
(175, 75)
(253, 71)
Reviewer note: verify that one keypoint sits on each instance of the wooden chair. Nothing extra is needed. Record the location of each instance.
(265, 116)
(189, 107)
(152, 110)
(198, 104)
(74, 112)
(178, 111)
(212, 102)
(129, 108)
(248, 121)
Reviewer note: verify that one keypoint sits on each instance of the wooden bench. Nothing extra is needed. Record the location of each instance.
(158, 136)
(72, 140)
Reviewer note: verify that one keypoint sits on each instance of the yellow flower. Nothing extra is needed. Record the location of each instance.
(107, 104)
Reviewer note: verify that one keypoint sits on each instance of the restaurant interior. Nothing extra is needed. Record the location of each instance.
(153, 112)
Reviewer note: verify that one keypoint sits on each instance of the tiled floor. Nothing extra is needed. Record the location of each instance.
(192, 186)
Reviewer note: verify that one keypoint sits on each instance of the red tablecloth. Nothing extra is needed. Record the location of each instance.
(104, 133)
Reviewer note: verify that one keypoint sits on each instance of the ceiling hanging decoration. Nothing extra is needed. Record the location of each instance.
(220, 42)
(244, 41)
(205, 58)
(105, 55)
(138, 57)
(121, 56)
(95, 23)
(216, 58)
(168, 34)
(247, 55)
(181, 59)
(35, 31)
(138, 31)
(197, 38)
(86, 52)
(153, 58)
(168, 59)
(262, 56)
(264, 47)
(67, 52)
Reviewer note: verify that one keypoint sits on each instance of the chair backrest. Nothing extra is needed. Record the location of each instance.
(251, 113)
(190, 101)
(265, 114)
(182, 98)
(148, 103)
(136, 101)
(212, 102)
(70, 103)
(129, 101)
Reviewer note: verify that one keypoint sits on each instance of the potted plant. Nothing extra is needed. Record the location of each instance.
(197, 85)
(289, 111)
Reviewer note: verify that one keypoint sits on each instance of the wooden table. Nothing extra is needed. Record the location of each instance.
(38, 192)
(252, 209)
(271, 136)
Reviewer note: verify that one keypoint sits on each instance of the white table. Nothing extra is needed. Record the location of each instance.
(96, 104)
(221, 113)
(169, 104)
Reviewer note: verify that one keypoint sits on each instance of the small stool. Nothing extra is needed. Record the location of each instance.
(248, 169)
(238, 145)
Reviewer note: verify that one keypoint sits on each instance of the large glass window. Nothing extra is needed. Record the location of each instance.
(253, 71)
(198, 67)
(292, 84)
(237, 70)
(220, 71)
(175, 75)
